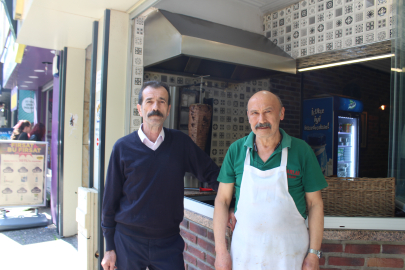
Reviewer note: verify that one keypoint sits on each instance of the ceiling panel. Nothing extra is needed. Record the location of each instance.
(54, 24)
(267, 6)
(86, 8)
(52, 29)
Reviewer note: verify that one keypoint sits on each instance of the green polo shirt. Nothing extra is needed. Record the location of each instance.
(303, 171)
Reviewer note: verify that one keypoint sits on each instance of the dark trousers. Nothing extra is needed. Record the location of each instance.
(135, 253)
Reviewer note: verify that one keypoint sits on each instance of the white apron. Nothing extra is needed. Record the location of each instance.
(270, 233)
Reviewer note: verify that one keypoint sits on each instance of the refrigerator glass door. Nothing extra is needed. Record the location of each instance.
(347, 147)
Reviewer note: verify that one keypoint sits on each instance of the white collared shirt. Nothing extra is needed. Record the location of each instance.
(148, 142)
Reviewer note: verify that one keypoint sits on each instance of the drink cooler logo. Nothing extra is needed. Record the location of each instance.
(352, 105)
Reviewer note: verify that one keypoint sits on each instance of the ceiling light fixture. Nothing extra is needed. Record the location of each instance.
(396, 69)
(347, 62)
(39, 70)
(33, 77)
(23, 85)
(28, 82)
(46, 66)
(53, 51)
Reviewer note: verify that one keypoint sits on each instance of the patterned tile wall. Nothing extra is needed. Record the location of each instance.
(316, 26)
(137, 70)
(229, 122)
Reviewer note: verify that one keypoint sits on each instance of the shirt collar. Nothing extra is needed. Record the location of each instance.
(142, 135)
(285, 141)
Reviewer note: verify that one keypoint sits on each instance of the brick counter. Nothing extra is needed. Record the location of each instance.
(343, 249)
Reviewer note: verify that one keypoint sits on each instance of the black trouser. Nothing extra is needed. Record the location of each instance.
(135, 253)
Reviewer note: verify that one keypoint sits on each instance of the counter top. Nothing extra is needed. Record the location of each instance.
(328, 234)
(195, 193)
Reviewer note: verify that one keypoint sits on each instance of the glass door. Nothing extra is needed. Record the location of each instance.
(396, 156)
(347, 147)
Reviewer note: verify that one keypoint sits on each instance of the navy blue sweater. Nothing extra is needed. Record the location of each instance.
(144, 189)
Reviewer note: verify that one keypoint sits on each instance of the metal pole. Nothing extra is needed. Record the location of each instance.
(201, 85)
(103, 113)
(93, 79)
(61, 136)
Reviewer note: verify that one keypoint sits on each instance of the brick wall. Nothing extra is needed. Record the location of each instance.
(340, 255)
(199, 249)
(288, 88)
(368, 85)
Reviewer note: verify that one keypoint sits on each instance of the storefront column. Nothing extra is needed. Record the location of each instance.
(70, 175)
(111, 91)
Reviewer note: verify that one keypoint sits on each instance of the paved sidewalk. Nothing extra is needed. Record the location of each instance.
(38, 248)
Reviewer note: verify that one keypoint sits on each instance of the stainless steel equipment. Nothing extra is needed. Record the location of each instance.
(171, 120)
(190, 181)
(180, 44)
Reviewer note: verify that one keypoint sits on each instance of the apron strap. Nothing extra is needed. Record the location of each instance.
(247, 159)
(284, 156)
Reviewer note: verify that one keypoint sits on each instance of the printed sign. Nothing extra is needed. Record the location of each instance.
(13, 99)
(26, 105)
(97, 131)
(318, 130)
(5, 133)
(22, 173)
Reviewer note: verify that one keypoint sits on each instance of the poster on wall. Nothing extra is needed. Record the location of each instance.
(22, 173)
(26, 105)
(6, 133)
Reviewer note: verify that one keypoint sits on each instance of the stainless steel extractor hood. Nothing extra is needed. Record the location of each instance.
(184, 45)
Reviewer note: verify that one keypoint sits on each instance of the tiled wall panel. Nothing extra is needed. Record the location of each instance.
(316, 26)
(137, 70)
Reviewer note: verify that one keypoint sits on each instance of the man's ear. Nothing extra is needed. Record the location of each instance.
(139, 107)
(282, 113)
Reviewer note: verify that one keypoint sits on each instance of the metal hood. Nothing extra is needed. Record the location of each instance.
(184, 45)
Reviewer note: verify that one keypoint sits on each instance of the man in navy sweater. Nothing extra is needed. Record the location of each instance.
(144, 189)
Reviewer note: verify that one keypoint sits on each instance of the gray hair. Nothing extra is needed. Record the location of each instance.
(279, 100)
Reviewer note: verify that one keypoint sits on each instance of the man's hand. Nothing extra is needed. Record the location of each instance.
(223, 261)
(231, 219)
(108, 262)
(311, 262)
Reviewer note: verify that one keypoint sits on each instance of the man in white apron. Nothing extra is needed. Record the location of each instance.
(276, 178)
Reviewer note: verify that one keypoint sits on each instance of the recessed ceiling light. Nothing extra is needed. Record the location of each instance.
(396, 69)
(347, 62)
(28, 82)
(23, 85)
(53, 51)
(39, 70)
(33, 77)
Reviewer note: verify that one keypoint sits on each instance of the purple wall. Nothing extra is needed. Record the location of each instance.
(54, 149)
(37, 112)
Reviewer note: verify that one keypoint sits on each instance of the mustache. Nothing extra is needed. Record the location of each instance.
(157, 113)
(263, 125)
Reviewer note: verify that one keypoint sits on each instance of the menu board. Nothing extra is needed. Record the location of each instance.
(22, 173)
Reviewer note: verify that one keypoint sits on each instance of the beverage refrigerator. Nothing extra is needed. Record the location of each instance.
(331, 127)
